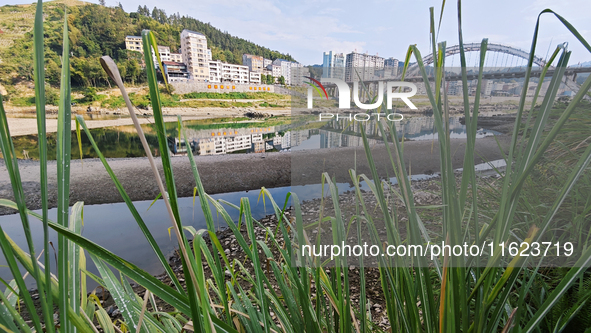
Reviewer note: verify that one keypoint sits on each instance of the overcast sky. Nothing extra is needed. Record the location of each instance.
(306, 28)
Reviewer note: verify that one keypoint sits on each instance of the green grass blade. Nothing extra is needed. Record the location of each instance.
(9, 315)
(259, 288)
(75, 292)
(104, 320)
(580, 267)
(120, 296)
(39, 77)
(63, 147)
(11, 164)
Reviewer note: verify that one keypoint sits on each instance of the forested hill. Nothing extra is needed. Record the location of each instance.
(97, 30)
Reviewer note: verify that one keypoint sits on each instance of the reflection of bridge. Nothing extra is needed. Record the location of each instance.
(490, 73)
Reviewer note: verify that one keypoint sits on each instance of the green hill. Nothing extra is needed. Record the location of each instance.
(96, 31)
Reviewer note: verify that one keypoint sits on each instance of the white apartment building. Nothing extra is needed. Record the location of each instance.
(176, 57)
(134, 43)
(196, 55)
(275, 70)
(267, 62)
(164, 52)
(237, 143)
(255, 78)
(257, 137)
(362, 65)
(254, 63)
(224, 72)
(219, 145)
(285, 69)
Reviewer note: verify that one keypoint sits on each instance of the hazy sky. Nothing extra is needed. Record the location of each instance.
(306, 28)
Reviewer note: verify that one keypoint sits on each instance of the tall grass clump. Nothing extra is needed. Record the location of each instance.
(277, 289)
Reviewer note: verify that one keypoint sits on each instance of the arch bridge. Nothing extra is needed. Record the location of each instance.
(498, 71)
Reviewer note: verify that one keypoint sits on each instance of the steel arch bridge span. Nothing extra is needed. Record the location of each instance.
(473, 47)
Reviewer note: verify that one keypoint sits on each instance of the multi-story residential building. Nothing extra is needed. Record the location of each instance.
(236, 143)
(164, 52)
(254, 63)
(206, 146)
(215, 71)
(224, 72)
(175, 71)
(195, 55)
(267, 62)
(391, 67)
(362, 66)
(285, 69)
(283, 141)
(219, 144)
(333, 65)
(267, 71)
(255, 78)
(176, 57)
(275, 71)
(134, 43)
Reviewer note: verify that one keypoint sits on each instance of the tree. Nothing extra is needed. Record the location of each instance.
(102, 3)
(282, 80)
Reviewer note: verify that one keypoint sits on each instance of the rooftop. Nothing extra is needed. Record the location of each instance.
(193, 32)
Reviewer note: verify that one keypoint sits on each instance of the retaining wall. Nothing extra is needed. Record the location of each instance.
(189, 87)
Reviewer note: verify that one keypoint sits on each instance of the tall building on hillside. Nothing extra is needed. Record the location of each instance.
(333, 65)
(134, 43)
(254, 63)
(362, 66)
(196, 55)
(267, 62)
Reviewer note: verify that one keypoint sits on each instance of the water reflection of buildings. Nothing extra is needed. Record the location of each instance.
(342, 133)
(246, 140)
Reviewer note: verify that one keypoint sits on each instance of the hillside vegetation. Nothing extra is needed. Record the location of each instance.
(96, 31)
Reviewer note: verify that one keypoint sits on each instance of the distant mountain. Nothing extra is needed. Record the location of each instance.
(96, 31)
